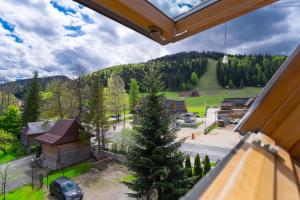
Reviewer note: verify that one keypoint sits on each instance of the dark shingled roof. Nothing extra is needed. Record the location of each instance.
(32, 128)
(63, 131)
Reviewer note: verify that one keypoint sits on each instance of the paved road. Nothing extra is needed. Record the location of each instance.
(19, 172)
(214, 153)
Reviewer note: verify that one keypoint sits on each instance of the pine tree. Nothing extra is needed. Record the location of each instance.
(188, 166)
(97, 111)
(154, 157)
(194, 78)
(206, 164)
(133, 94)
(32, 101)
(197, 167)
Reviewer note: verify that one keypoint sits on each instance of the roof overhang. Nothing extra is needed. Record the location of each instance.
(276, 111)
(143, 17)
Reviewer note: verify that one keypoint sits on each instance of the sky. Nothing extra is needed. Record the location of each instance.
(58, 37)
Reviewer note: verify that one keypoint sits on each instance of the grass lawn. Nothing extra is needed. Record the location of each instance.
(70, 172)
(128, 178)
(25, 192)
(14, 151)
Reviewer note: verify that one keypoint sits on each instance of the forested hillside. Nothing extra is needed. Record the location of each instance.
(18, 88)
(176, 70)
(242, 70)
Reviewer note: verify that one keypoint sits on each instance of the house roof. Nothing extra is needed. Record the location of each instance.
(174, 106)
(32, 128)
(63, 131)
(159, 24)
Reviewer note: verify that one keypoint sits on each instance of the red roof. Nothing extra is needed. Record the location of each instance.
(63, 131)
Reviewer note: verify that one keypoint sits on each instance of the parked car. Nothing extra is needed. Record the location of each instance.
(116, 116)
(65, 189)
(221, 123)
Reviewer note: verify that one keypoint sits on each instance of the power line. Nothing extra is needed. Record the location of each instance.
(288, 2)
(284, 6)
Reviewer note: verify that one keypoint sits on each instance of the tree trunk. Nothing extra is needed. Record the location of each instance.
(3, 149)
(98, 138)
(4, 190)
(103, 138)
(60, 105)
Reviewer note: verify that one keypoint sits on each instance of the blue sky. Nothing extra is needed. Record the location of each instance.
(59, 37)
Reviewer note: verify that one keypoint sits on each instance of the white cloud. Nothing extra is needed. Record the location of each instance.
(48, 49)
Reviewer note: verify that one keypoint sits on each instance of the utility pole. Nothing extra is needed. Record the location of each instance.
(124, 115)
(205, 117)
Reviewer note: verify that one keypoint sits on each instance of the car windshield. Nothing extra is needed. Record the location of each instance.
(68, 186)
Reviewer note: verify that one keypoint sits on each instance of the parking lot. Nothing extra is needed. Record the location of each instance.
(105, 184)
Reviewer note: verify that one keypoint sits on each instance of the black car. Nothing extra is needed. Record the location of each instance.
(66, 189)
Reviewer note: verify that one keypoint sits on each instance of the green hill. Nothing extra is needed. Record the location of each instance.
(208, 80)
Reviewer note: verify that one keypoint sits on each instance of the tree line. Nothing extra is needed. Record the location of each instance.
(253, 70)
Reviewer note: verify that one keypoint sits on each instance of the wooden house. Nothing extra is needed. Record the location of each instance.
(61, 145)
(174, 108)
(233, 109)
(32, 130)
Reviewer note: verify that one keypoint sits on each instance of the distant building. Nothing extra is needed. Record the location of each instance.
(32, 130)
(191, 93)
(233, 109)
(174, 108)
(189, 118)
(61, 145)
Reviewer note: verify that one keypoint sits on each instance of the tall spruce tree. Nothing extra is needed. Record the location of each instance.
(97, 111)
(206, 164)
(197, 167)
(188, 166)
(154, 157)
(32, 101)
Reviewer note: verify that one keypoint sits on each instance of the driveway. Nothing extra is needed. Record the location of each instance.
(19, 172)
(207, 121)
(104, 185)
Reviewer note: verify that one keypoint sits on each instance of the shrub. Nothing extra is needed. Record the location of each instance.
(197, 167)
(207, 166)
(188, 166)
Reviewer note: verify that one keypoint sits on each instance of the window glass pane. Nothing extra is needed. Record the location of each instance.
(178, 9)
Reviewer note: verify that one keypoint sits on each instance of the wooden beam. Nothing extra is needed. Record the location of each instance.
(136, 14)
(143, 17)
(288, 132)
(286, 177)
(282, 112)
